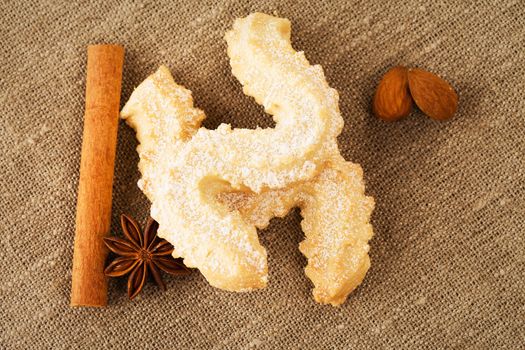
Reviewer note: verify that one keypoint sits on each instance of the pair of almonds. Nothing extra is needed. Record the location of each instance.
(400, 86)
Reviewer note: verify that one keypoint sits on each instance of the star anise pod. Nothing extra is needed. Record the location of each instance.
(141, 254)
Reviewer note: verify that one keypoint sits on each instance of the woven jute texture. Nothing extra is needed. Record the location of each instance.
(448, 255)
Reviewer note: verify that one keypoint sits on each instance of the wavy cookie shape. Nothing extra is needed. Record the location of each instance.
(210, 188)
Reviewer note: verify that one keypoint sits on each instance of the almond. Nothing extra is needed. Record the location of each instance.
(392, 99)
(433, 95)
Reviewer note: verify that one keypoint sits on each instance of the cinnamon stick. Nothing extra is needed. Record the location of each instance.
(103, 83)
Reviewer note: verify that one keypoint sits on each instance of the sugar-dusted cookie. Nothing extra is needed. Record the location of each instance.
(210, 189)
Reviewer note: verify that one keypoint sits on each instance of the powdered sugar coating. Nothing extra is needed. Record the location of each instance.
(336, 224)
(210, 188)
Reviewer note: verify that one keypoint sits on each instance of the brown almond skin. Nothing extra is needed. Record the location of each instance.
(392, 99)
(433, 95)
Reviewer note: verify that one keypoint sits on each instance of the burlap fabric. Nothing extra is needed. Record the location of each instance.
(448, 256)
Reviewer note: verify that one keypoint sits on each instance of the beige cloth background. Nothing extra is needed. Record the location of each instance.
(448, 253)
